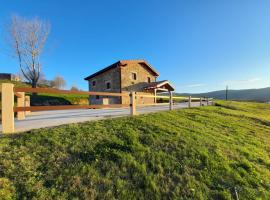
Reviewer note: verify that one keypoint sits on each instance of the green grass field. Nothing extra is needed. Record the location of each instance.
(43, 99)
(198, 153)
(51, 99)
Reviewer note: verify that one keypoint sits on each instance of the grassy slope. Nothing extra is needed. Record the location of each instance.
(59, 99)
(16, 83)
(51, 99)
(198, 153)
(48, 99)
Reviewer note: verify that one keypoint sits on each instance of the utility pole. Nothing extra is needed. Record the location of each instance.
(227, 90)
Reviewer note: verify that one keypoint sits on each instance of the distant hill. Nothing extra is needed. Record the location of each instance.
(260, 95)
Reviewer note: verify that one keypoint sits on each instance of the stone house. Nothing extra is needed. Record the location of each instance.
(126, 76)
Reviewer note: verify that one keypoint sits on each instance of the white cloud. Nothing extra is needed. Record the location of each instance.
(240, 82)
(194, 85)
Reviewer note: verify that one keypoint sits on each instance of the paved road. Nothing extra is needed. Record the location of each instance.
(55, 118)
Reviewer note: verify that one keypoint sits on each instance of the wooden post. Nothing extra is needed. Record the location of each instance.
(227, 89)
(7, 108)
(207, 100)
(21, 103)
(201, 101)
(133, 103)
(189, 102)
(27, 104)
(171, 100)
(155, 93)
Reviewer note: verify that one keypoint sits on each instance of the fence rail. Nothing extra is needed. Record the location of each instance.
(56, 91)
(67, 107)
(166, 97)
(23, 102)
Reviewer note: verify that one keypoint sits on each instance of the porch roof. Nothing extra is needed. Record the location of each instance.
(160, 86)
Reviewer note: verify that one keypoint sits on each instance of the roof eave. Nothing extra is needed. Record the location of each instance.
(102, 71)
(161, 84)
(125, 62)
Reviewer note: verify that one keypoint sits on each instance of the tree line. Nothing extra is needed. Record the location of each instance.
(58, 82)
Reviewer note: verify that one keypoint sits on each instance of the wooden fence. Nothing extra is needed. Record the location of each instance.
(23, 102)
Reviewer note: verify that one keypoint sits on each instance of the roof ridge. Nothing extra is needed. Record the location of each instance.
(122, 62)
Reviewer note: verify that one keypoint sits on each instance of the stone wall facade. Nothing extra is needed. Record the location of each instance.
(140, 100)
(128, 84)
(111, 76)
(121, 79)
(142, 73)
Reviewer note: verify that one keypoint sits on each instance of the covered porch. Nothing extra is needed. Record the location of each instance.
(159, 87)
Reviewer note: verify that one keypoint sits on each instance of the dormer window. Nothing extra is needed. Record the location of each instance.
(148, 79)
(134, 76)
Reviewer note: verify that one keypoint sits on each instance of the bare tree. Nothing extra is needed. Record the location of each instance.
(58, 82)
(27, 39)
(43, 82)
(21, 76)
(74, 88)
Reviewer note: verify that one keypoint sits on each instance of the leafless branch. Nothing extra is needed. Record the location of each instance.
(27, 39)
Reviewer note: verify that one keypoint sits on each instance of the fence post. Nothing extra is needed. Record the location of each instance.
(133, 103)
(7, 108)
(27, 104)
(189, 101)
(207, 100)
(155, 98)
(171, 100)
(201, 101)
(21, 103)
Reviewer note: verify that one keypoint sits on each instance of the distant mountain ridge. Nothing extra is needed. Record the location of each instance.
(260, 95)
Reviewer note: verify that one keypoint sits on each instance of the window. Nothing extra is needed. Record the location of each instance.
(94, 83)
(97, 97)
(108, 85)
(134, 76)
(148, 79)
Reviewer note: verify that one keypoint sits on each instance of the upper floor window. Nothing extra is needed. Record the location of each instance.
(108, 85)
(94, 83)
(148, 79)
(134, 76)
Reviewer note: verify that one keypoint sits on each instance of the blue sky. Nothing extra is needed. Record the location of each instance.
(198, 45)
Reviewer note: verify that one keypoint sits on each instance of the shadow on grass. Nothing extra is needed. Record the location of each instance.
(42, 100)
